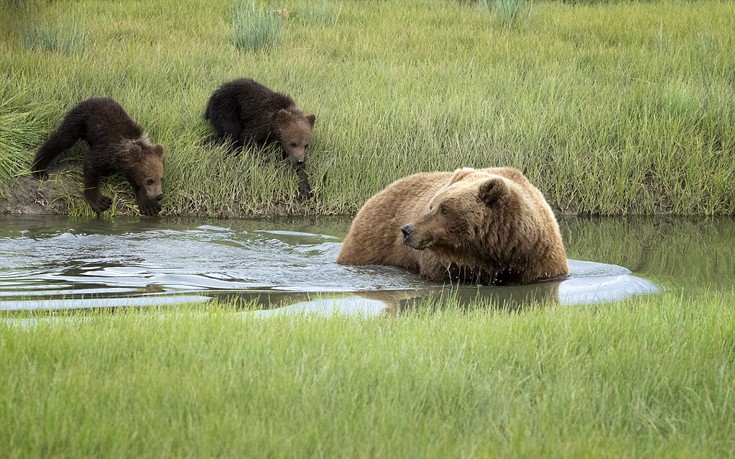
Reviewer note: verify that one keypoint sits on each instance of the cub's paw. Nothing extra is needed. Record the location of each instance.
(305, 191)
(102, 204)
(148, 207)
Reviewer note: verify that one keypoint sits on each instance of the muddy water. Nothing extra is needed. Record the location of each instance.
(289, 265)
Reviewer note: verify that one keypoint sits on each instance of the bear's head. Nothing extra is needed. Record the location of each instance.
(489, 219)
(145, 166)
(294, 132)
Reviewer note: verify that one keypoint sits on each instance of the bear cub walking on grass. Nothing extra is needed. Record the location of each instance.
(244, 113)
(116, 144)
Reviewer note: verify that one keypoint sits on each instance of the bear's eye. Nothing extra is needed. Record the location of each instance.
(293, 145)
(443, 209)
(306, 146)
(150, 182)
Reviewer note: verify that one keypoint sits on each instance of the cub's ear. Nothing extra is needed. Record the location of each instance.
(282, 117)
(135, 149)
(492, 190)
(158, 149)
(311, 119)
(461, 173)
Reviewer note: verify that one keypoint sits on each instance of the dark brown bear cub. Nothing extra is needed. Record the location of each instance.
(244, 113)
(116, 144)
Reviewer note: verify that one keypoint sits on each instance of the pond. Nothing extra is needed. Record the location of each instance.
(287, 265)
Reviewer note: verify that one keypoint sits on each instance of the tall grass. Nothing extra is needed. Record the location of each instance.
(19, 126)
(511, 11)
(641, 378)
(256, 28)
(621, 108)
(322, 12)
(47, 37)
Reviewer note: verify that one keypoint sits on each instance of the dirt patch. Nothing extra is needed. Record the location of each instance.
(26, 195)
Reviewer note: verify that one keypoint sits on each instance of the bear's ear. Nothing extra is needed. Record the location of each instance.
(135, 150)
(158, 150)
(311, 119)
(492, 190)
(282, 117)
(461, 173)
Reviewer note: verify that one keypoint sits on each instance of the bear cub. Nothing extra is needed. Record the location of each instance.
(116, 144)
(244, 113)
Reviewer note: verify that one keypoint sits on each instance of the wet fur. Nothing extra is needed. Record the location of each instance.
(117, 144)
(489, 226)
(244, 113)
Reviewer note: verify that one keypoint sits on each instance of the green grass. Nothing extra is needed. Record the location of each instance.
(509, 12)
(44, 37)
(256, 28)
(19, 125)
(642, 378)
(610, 108)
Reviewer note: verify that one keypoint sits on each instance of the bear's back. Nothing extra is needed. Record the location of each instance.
(106, 122)
(256, 99)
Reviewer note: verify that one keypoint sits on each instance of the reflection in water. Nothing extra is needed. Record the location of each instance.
(54, 263)
(588, 283)
(674, 252)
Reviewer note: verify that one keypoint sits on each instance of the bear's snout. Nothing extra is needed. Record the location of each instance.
(298, 162)
(415, 238)
(407, 230)
(158, 197)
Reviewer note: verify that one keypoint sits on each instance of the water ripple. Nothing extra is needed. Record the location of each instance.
(76, 264)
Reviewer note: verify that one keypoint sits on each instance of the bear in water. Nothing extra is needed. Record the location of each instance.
(489, 226)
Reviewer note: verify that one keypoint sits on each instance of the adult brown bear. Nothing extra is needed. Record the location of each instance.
(488, 226)
(116, 144)
(244, 113)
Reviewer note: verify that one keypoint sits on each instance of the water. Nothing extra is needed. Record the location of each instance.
(51, 263)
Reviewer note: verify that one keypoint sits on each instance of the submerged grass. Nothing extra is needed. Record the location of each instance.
(646, 377)
(622, 108)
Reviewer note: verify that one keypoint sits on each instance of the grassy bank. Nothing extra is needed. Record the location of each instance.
(610, 108)
(642, 378)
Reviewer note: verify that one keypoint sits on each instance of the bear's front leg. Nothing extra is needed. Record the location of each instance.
(304, 187)
(96, 200)
(431, 268)
(146, 205)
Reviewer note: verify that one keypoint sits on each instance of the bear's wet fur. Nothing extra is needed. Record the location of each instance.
(117, 144)
(488, 226)
(244, 113)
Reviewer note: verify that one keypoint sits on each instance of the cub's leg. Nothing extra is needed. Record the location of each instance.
(70, 130)
(92, 194)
